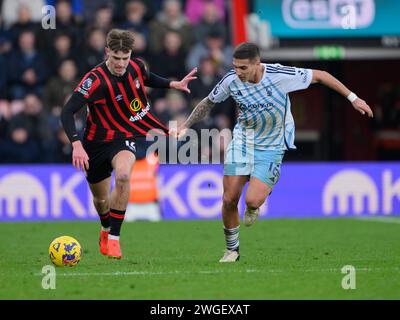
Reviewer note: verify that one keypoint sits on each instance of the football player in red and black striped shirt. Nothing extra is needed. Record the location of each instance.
(118, 112)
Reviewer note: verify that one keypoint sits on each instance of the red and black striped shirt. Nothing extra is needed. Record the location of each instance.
(118, 107)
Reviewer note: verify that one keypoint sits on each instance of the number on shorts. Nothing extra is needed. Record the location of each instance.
(275, 170)
(130, 145)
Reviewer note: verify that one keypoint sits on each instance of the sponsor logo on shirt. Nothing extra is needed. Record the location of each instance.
(259, 106)
(135, 105)
(141, 114)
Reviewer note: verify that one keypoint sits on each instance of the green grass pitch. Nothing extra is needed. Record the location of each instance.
(280, 259)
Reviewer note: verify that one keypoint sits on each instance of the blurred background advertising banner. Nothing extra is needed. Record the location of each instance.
(58, 192)
(330, 18)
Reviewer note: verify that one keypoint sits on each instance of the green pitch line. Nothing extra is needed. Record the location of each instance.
(280, 259)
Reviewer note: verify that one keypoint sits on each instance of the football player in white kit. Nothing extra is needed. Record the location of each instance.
(264, 130)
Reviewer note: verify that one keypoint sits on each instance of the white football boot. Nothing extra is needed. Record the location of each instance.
(250, 216)
(230, 256)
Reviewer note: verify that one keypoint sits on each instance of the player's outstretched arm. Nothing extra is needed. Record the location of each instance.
(333, 83)
(198, 113)
(183, 84)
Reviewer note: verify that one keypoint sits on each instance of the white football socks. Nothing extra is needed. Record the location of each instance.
(232, 238)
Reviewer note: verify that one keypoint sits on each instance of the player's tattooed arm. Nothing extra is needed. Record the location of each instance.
(199, 112)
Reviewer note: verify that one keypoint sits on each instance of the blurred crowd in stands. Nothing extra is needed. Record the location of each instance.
(386, 124)
(40, 68)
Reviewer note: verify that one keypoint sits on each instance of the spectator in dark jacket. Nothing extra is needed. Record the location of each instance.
(61, 50)
(170, 18)
(135, 13)
(27, 68)
(94, 53)
(210, 21)
(103, 18)
(36, 122)
(213, 46)
(23, 23)
(169, 61)
(59, 87)
(19, 147)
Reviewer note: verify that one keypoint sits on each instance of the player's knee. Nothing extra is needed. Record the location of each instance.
(100, 202)
(230, 200)
(122, 178)
(254, 202)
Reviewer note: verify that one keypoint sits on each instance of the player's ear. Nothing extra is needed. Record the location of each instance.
(107, 49)
(255, 61)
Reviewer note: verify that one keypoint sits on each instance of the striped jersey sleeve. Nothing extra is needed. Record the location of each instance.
(221, 90)
(292, 78)
(88, 87)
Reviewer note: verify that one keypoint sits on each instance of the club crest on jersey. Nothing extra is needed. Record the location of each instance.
(137, 83)
(135, 105)
(216, 89)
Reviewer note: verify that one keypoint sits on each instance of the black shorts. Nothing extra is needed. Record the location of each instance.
(101, 154)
